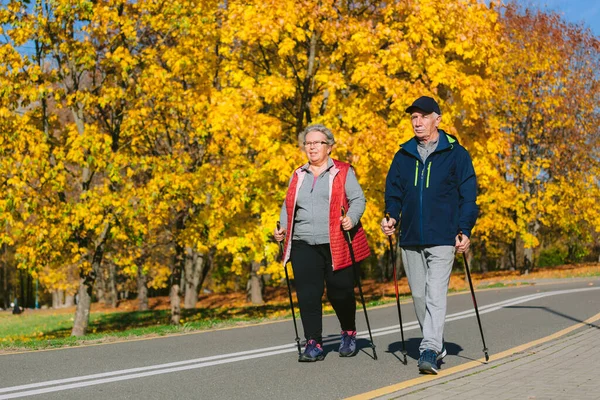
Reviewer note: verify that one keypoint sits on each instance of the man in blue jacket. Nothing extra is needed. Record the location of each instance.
(431, 189)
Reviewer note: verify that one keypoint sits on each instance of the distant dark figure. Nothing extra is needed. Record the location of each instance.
(16, 308)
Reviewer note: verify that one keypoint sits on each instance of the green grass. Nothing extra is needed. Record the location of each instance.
(501, 285)
(32, 330)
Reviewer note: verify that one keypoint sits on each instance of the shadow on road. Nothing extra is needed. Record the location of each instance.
(362, 346)
(557, 313)
(412, 348)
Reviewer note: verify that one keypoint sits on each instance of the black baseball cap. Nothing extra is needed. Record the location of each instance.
(426, 104)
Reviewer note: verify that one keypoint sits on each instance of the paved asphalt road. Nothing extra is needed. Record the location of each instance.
(259, 362)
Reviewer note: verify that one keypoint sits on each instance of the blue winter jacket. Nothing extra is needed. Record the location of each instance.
(434, 200)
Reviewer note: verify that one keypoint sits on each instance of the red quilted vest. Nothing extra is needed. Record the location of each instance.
(340, 251)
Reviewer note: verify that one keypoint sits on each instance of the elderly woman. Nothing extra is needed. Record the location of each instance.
(311, 224)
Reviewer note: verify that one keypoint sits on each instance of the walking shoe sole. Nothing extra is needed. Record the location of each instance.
(427, 368)
(348, 354)
(306, 359)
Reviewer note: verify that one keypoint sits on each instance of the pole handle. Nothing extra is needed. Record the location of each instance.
(347, 232)
(280, 245)
(387, 218)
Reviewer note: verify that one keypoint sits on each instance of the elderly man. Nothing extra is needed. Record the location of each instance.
(431, 189)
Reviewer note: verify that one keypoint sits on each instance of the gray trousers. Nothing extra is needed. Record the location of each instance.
(428, 270)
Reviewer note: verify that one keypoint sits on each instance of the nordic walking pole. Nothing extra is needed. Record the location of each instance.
(485, 349)
(287, 278)
(357, 277)
(387, 217)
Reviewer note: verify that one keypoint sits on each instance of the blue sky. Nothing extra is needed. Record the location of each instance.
(576, 11)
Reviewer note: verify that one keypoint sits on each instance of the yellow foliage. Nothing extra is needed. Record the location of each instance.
(173, 126)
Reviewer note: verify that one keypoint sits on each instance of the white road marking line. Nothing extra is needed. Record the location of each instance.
(132, 373)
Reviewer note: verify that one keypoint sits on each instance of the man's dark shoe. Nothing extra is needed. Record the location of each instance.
(348, 344)
(312, 352)
(428, 362)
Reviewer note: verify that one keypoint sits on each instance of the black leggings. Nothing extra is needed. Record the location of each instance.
(312, 267)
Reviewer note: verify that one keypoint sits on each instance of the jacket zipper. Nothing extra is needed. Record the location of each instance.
(421, 202)
(424, 185)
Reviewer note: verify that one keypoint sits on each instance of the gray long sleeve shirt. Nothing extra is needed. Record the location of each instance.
(311, 221)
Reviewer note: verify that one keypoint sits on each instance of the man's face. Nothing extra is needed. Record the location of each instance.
(425, 125)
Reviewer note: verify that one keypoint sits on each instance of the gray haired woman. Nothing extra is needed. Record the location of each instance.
(313, 229)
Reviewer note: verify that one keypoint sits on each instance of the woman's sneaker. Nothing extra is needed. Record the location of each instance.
(348, 344)
(428, 362)
(312, 352)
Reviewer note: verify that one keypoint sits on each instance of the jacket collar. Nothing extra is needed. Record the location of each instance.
(330, 164)
(445, 141)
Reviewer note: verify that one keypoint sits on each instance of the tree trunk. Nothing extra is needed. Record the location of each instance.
(175, 301)
(86, 285)
(383, 265)
(100, 286)
(254, 289)
(484, 263)
(175, 285)
(305, 87)
(22, 287)
(399, 266)
(518, 253)
(527, 260)
(112, 297)
(69, 300)
(29, 297)
(194, 266)
(60, 298)
(208, 263)
(5, 296)
(469, 255)
(84, 303)
(142, 285)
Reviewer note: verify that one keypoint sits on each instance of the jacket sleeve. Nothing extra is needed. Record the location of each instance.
(393, 189)
(283, 211)
(467, 190)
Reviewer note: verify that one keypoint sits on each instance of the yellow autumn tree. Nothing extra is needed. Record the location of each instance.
(83, 68)
(146, 139)
(541, 163)
(356, 66)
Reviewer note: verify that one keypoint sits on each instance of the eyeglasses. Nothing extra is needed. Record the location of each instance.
(315, 144)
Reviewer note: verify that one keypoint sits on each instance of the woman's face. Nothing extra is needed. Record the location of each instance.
(316, 147)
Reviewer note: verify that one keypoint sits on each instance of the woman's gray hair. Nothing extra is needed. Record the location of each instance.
(319, 128)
